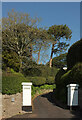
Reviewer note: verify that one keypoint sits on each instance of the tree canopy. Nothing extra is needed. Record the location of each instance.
(57, 32)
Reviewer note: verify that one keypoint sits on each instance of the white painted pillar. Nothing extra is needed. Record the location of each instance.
(27, 105)
(72, 99)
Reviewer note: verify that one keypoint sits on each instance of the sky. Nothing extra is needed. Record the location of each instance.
(51, 13)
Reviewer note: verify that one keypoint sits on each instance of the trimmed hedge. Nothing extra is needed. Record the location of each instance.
(58, 76)
(11, 83)
(50, 80)
(38, 81)
(72, 76)
(60, 90)
(40, 70)
(32, 72)
(74, 54)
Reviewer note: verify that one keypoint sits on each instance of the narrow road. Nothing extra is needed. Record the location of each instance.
(44, 108)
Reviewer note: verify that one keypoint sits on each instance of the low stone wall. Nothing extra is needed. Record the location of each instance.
(11, 104)
(80, 98)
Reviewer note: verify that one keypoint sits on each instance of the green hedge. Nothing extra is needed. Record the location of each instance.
(40, 70)
(58, 76)
(50, 80)
(74, 54)
(38, 81)
(34, 71)
(11, 83)
(72, 76)
(60, 90)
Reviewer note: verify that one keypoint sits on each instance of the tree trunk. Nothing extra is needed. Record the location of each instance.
(38, 56)
(20, 64)
(31, 52)
(51, 55)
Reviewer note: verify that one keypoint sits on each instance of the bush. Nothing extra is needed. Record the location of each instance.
(74, 54)
(50, 80)
(76, 74)
(40, 70)
(73, 76)
(38, 81)
(11, 83)
(58, 76)
(60, 91)
(46, 86)
(32, 72)
(47, 71)
(38, 89)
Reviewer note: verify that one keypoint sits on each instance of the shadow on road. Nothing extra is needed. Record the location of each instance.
(51, 98)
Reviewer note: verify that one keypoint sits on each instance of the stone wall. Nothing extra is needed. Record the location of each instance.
(80, 98)
(11, 104)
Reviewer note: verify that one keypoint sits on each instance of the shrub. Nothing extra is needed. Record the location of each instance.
(40, 70)
(46, 86)
(11, 83)
(38, 81)
(73, 76)
(58, 76)
(32, 72)
(74, 54)
(76, 74)
(38, 89)
(47, 71)
(60, 91)
(50, 80)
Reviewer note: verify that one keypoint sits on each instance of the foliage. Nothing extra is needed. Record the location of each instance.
(50, 80)
(45, 87)
(60, 91)
(58, 76)
(23, 38)
(76, 74)
(57, 32)
(72, 76)
(11, 83)
(33, 71)
(74, 54)
(39, 70)
(47, 71)
(59, 61)
(38, 81)
(10, 59)
(17, 39)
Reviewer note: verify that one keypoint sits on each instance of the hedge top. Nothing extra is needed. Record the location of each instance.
(74, 54)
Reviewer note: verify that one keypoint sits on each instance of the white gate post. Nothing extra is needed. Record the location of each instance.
(72, 95)
(27, 106)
